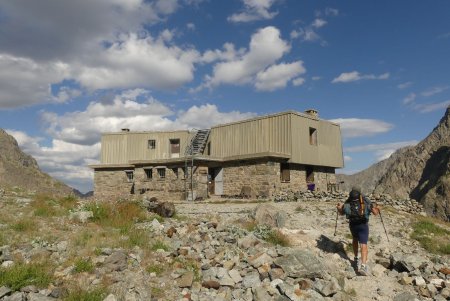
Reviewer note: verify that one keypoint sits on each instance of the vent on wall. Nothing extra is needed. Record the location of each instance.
(313, 113)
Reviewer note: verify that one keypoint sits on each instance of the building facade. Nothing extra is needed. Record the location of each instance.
(253, 158)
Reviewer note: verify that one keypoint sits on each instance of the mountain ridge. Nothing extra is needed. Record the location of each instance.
(420, 172)
(20, 170)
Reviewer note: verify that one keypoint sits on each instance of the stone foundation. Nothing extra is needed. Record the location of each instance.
(254, 179)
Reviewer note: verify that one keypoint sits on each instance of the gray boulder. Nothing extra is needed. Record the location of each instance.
(266, 214)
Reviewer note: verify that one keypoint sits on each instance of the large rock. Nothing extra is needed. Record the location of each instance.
(301, 264)
(266, 214)
(164, 209)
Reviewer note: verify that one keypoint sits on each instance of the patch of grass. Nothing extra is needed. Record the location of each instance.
(118, 215)
(68, 201)
(24, 225)
(275, 237)
(249, 225)
(159, 245)
(159, 218)
(21, 274)
(188, 264)
(138, 238)
(100, 211)
(180, 218)
(83, 239)
(158, 269)
(157, 292)
(432, 237)
(83, 265)
(300, 209)
(96, 294)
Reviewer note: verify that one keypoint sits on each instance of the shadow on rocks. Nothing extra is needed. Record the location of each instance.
(330, 246)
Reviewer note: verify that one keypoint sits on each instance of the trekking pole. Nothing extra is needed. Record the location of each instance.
(381, 217)
(335, 226)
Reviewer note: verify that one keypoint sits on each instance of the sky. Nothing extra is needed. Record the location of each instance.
(72, 70)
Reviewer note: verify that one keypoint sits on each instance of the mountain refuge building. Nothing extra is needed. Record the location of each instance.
(253, 158)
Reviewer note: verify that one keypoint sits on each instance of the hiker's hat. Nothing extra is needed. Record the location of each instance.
(356, 188)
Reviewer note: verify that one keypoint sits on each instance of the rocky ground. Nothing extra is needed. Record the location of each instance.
(215, 250)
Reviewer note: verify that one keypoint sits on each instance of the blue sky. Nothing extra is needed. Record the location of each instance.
(70, 70)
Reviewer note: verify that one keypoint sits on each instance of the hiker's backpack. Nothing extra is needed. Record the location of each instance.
(357, 210)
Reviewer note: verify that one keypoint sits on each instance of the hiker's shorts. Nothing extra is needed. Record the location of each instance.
(361, 232)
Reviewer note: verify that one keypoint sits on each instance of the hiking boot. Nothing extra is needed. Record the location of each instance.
(364, 270)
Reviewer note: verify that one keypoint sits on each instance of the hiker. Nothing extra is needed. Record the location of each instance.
(357, 209)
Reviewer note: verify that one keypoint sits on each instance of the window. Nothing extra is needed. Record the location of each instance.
(174, 146)
(148, 173)
(285, 172)
(130, 175)
(161, 173)
(312, 136)
(175, 172)
(151, 144)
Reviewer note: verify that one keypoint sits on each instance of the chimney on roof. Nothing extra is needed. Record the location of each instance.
(313, 113)
(125, 130)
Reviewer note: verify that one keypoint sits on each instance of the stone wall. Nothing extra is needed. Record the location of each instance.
(254, 179)
(111, 183)
(263, 178)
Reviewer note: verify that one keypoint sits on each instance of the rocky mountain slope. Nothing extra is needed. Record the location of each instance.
(421, 172)
(21, 171)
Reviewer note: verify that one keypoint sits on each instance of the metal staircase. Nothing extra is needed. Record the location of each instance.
(195, 147)
(197, 143)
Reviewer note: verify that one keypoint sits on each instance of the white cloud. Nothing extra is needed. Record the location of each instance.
(434, 90)
(108, 48)
(316, 78)
(28, 28)
(254, 10)
(409, 99)
(266, 47)
(25, 82)
(347, 158)
(317, 23)
(166, 7)
(355, 127)
(277, 76)
(298, 81)
(136, 110)
(190, 26)
(347, 77)
(430, 107)
(228, 53)
(329, 11)
(381, 151)
(136, 62)
(122, 111)
(194, 117)
(404, 85)
(309, 33)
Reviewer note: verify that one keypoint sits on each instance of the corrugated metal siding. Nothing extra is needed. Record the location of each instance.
(253, 136)
(114, 149)
(327, 152)
(122, 147)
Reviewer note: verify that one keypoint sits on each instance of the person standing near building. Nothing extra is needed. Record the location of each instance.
(357, 208)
